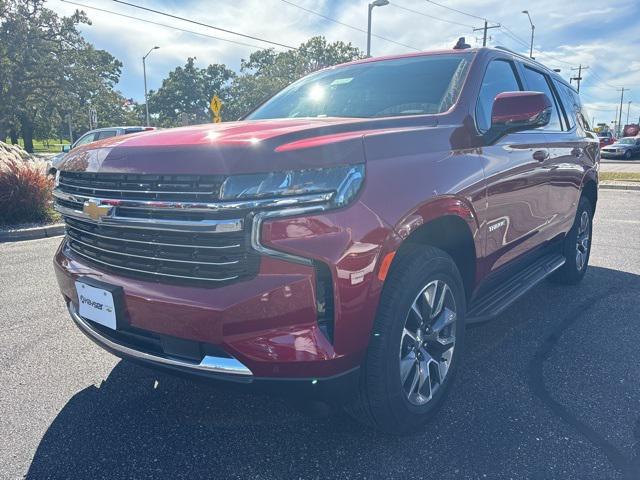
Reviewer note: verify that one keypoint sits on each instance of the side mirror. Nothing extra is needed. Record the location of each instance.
(66, 148)
(518, 111)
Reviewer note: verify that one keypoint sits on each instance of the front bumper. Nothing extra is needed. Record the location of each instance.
(338, 388)
(266, 326)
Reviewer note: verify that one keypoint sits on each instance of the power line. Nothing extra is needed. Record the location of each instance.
(508, 31)
(161, 24)
(429, 16)
(457, 11)
(598, 77)
(347, 25)
(205, 25)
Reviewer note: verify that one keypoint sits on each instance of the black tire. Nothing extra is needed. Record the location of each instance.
(628, 155)
(572, 272)
(382, 401)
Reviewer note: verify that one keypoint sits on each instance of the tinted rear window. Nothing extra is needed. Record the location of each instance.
(405, 86)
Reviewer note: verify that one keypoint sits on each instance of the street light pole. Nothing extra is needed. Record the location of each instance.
(372, 5)
(144, 73)
(533, 28)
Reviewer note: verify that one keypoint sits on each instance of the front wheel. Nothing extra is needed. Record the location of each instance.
(627, 155)
(577, 246)
(415, 344)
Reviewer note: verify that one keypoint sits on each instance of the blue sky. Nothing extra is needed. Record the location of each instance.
(605, 35)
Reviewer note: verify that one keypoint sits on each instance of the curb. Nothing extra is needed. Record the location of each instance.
(54, 230)
(613, 186)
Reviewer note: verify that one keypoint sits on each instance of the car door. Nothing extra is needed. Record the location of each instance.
(515, 179)
(569, 150)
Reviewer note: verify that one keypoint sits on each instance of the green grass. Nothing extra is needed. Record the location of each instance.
(40, 146)
(621, 176)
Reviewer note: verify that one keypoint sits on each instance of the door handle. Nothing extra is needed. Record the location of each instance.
(540, 155)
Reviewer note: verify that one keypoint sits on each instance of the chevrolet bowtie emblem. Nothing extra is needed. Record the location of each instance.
(96, 211)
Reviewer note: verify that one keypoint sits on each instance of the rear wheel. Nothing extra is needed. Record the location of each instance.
(415, 345)
(577, 246)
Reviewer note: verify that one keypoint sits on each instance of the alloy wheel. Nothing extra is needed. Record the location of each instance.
(427, 342)
(582, 241)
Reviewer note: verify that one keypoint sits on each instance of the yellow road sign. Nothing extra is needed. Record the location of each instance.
(216, 107)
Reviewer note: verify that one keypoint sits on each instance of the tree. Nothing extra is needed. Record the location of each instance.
(47, 69)
(188, 91)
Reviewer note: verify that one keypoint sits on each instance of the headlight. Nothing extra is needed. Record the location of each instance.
(345, 181)
(56, 182)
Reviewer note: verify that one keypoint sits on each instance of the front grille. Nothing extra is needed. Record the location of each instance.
(192, 188)
(152, 242)
(162, 255)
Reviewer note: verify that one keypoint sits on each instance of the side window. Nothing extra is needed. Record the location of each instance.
(106, 134)
(538, 82)
(88, 138)
(570, 103)
(583, 114)
(499, 77)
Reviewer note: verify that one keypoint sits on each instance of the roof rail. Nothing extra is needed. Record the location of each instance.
(500, 47)
(505, 49)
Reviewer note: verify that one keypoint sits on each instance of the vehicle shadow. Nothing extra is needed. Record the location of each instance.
(142, 424)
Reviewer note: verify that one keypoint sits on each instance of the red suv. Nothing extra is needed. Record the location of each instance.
(340, 237)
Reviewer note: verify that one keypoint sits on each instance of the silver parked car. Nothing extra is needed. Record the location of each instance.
(624, 148)
(94, 136)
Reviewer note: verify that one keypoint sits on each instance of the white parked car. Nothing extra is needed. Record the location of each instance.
(94, 136)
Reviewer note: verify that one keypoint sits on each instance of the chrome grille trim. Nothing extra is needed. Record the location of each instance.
(200, 207)
(217, 247)
(205, 226)
(147, 272)
(152, 192)
(71, 239)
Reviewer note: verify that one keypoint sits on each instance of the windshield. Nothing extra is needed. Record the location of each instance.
(404, 86)
(627, 141)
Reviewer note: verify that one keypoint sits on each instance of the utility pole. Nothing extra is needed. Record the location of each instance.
(70, 129)
(579, 77)
(533, 29)
(372, 5)
(144, 73)
(485, 28)
(620, 110)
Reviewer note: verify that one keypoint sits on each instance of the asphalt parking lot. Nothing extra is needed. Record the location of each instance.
(550, 389)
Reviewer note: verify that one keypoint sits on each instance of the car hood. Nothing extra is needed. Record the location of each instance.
(619, 145)
(231, 148)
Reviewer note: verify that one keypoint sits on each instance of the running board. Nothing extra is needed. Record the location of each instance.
(496, 301)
